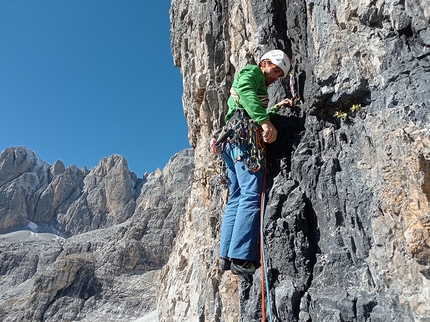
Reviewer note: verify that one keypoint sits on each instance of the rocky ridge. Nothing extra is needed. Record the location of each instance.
(79, 245)
(347, 216)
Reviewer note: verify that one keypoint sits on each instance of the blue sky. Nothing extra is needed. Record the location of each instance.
(84, 79)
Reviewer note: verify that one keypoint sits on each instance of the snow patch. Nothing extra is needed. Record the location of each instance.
(33, 231)
(150, 317)
(32, 226)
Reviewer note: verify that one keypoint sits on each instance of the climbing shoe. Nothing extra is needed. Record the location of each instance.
(241, 267)
(225, 264)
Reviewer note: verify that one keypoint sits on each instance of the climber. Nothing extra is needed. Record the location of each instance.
(243, 154)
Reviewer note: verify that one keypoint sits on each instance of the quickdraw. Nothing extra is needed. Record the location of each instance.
(254, 142)
(243, 131)
(248, 135)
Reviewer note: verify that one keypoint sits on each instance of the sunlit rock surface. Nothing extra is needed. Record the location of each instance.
(347, 213)
(348, 183)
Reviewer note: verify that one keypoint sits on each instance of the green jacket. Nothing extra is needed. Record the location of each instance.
(249, 84)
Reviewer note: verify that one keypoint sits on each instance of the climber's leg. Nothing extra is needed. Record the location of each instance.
(229, 153)
(245, 236)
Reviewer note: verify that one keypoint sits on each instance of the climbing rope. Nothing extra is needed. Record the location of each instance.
(265, 291)
(294, 95)
(264, 279)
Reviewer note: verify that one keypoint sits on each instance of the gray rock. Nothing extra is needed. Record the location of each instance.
(107, 267)
(22, 174)
(106, 198)
(346, 222)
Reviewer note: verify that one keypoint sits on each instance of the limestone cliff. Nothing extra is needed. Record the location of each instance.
(79, 245)
(347, 217)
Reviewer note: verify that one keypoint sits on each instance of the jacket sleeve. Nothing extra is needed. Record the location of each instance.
(246, 88)
(273, 110)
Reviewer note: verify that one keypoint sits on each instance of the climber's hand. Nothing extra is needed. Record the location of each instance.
(269, 132)
(285, 102)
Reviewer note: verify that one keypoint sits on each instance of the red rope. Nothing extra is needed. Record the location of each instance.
(263, 299)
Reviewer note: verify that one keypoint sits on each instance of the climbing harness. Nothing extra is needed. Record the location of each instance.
(244, 132)
(220, 137)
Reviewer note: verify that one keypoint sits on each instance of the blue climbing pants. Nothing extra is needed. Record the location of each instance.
(240, 230)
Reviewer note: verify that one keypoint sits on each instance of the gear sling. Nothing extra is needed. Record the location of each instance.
(242, 130)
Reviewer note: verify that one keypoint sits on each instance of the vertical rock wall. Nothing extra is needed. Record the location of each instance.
(347, 219)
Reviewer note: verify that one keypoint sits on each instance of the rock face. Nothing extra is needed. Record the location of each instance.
(347, 217)
(347, 220)
(79, 245)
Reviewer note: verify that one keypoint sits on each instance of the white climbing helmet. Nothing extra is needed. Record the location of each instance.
(279, 58)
